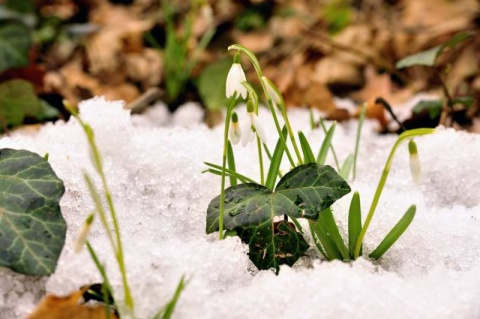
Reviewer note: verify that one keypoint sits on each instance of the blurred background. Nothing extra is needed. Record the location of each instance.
(143, 51)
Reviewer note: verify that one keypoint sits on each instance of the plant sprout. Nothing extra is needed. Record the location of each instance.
(252, 210)
(114, 236)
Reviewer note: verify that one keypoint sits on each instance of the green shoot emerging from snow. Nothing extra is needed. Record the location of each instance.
(264, 214)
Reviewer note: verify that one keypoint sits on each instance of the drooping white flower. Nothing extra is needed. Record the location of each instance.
(83, 234)
(235, 78)
(415, 165)
(272, 91)
(235, 131)
(252, 126)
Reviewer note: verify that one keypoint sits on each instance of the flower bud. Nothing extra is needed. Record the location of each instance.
(415, 165)
(83, 234)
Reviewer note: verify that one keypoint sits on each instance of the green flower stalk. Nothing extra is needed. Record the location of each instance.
(383, 179)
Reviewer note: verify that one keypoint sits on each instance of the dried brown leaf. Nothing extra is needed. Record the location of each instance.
(69, 307)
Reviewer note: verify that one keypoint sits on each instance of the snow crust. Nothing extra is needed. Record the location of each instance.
(161, 196)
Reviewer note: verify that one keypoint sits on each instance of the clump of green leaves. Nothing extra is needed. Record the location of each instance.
(253, 210)
(179, 59)
(445, 107)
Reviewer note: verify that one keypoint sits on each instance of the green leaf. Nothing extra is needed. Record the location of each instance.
(394, 234)
(250, 209)
(272, 245)
(308, 156)
(167, 311)
(347, 166)
(46, 112)
(327, 141)
(275, 161)
(32, 228)
(354, 223)
(23, 6)
(434, 107)
(15, 41)
(17, 100)
(429, 57)
(303, 192)
(326, 218)
(320, 230)
(466, 101)
(211, 84)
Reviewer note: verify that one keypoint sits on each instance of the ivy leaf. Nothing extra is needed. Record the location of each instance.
(18, 100)
(270, 248)
(15, 41)
(32, 228)
(250, 210)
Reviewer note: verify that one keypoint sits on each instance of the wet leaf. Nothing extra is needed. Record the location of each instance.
(272, 245)
(250, 210)
(32, 228)
(15, 41)
(303, 192)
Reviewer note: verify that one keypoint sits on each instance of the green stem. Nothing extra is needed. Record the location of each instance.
(224, 164)
(405, 135)
(258, 70)
(260, 160)
(290, 132)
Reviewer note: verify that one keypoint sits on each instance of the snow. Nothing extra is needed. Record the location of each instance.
(161, 196)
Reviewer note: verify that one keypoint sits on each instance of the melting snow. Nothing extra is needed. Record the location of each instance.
(161, 197)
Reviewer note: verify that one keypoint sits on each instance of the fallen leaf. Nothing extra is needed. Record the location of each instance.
(70, 307)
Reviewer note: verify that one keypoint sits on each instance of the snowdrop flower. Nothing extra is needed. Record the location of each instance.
(235, 78)
(235, 131)
(83, 234)
(415, 166)
(272, 91)
(252, 127)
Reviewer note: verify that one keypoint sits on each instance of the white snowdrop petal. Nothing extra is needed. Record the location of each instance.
(259, 129)
(415, 168)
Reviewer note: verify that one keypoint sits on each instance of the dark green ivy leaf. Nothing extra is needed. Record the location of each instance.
(32, 228)
(15, 41)
(250, 209)
(273, 245)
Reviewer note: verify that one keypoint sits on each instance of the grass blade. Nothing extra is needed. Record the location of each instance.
(327, 217)
(312, 118)
(276, 159)
(231, 164)
(167, 311)
(322, 124)
(327, 141)
(357, 140)
(215, 169)
(354, 223)
(307, 150)
(346, 167)
(394, 234)
(316, 240)
(321, 231)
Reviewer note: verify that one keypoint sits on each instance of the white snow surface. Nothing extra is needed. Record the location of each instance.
(161, 196)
